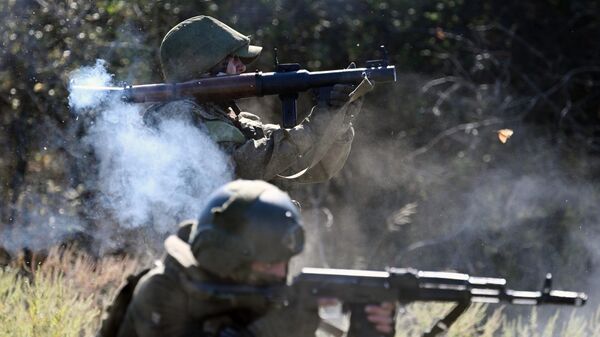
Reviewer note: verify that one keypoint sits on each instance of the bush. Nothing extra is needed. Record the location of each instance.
(50, 306)
(63, 297)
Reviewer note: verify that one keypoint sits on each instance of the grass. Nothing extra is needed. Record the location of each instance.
(62, 297)
(48, 307)
(480, 321)
(66, 294)
(418, 318)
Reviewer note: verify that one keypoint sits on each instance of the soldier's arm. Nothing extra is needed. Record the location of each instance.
(331, 163)
(319, 146)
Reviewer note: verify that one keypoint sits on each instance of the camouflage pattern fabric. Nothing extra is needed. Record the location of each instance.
(164, 304)
(318, 147)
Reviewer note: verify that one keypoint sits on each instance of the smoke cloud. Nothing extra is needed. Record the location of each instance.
(89, 76)
(467, 202)
(146, 176)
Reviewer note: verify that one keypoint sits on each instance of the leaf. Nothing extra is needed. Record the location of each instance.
(439, 33)
(38, 87)
(504, 135)
(401, 217)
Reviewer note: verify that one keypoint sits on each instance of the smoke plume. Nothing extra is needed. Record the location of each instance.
(146, 176)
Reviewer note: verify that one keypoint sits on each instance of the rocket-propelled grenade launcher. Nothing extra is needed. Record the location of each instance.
(286, 81)
(355, 288)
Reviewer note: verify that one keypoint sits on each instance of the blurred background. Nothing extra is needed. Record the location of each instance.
(428, 184)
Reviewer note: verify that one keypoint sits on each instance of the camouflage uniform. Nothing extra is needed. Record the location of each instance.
(166, 300)
(321, 143)
(313, 151)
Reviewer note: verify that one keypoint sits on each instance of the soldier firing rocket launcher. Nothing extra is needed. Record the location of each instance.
(355, 288)
(287, 81)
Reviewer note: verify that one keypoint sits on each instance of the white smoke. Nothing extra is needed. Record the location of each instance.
(147, 176)
(88, 76)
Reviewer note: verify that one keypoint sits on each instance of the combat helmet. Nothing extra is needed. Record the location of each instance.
(246, 221)
(196, 45)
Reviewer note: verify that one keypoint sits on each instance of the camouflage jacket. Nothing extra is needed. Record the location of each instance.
(165, 302)
(313, 151)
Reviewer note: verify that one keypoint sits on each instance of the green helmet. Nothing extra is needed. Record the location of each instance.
(196, 45)
(246, 221)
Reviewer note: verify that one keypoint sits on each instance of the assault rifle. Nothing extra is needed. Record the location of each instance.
(287, 81)
(355, 288)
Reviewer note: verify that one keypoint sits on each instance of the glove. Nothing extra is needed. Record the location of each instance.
(295, 320)
(354, 95)
(340, 95)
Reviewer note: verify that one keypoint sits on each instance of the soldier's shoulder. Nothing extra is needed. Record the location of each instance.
(185, 229)
(178, 106)
(224, 132)
(156, 280)
(186, 110)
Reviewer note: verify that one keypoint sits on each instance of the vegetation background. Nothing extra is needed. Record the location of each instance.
(428, 183)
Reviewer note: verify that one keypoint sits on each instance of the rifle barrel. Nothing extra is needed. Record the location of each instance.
(410, 285)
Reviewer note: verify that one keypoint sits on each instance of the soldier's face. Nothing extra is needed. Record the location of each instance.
(276, 272)
(234, 65)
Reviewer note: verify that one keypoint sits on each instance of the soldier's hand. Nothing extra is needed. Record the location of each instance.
(382, 316)
(340, 95)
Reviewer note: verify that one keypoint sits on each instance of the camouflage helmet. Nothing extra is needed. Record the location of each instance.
(196, 45)
(246, 221)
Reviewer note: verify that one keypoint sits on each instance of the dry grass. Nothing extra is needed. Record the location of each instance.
(479, 322)
(65, 296)
(49, 307)
(418, 318)
(99, 278)
(557, 326)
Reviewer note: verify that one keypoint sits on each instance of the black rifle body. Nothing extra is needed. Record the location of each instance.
(356, 288)
(404, 285)
(409, 285)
